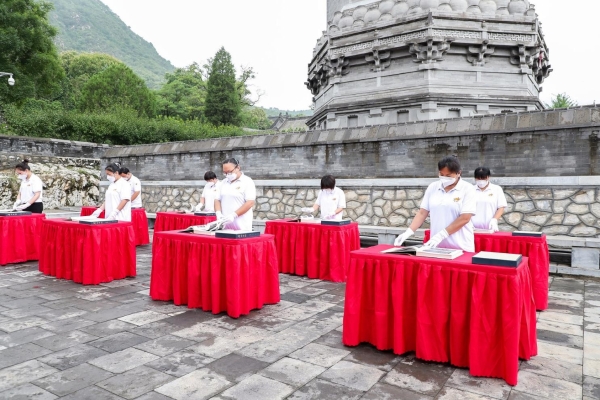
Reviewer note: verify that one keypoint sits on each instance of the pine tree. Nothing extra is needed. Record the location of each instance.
(223, 105)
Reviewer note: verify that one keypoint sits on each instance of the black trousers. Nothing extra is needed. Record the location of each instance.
(35, 208)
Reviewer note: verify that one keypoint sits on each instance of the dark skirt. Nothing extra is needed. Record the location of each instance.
(35, 208)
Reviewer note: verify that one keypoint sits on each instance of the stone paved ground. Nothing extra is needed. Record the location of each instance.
(62, 340)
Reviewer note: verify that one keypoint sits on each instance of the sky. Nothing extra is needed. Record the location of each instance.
(276, 39)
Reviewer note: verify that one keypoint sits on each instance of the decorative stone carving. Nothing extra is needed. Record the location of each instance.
(380, 60)
(338, 66)
(477, 54)
(431, 51)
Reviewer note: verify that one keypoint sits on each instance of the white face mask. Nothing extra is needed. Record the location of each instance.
(447, 181)
(231, 177)
(22, 177)
(111, 179)
(482, 184)
(328, 191)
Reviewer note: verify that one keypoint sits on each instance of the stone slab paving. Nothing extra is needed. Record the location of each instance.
(62, 340)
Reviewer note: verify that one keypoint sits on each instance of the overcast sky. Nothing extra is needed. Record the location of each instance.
(276, 38)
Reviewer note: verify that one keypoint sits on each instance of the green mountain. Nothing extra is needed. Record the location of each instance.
(90, 26)
(274, 112)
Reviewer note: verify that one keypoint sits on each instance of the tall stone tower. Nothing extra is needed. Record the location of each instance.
(391, 61)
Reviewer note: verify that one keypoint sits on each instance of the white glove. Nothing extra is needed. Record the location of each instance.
(400, 239)
(230, 218)
(97, 213)
(219, 215)
(22, 206)
(437, 239)
(307, 210)
(17, 204)
(113, 215)
(494, 225)
(199, 207)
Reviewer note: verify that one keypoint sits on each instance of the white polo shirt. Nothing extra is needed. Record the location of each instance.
(116, 192)
(209, 193)
(29, 187)
(489, 201)
(232, 196)
(444, 208)
(136, 186)
(330, 200)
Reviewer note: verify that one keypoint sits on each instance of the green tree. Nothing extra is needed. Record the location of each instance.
(117, 87)
(184, 94)
(27, 51)
(223, 105)
(255, 118)
(561, 100)
(79, 68)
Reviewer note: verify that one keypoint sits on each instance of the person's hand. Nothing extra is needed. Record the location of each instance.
(113, 215)
(199, 207)
(17, 204)
(308, 210)
(494, 225)
(230, 218)
(400, 239)
(219, 215)
(22, 206)
(437, 239)
(97, 213)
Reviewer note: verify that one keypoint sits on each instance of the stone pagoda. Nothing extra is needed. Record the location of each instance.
(395, 61)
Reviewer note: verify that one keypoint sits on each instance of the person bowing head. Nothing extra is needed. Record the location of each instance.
(117, 200)
(450, 203)
(30, 193)
(491, 201)
(209, 193)
(236, 197)
(331, 200)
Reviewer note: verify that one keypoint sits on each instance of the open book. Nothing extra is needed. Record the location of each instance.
(208, 229)
(420, 251)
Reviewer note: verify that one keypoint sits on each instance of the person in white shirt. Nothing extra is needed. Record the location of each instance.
(236, 197)
(331, 200)
(136, 187)
(451, 203)
(491, 201)
(30, 193)
(207, 201)
(117, 201)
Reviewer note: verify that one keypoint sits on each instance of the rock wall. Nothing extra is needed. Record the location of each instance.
(67, 181)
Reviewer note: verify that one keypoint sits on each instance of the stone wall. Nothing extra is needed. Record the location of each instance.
(51, 147)
(571, 207)
(67, 181)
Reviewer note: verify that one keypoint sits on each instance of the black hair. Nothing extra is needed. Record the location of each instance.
(209, 175)
(482, 173)
(23, 165)
(232, 161)
(327, 182)
(114, 168)
(124, 170)
(450, 162)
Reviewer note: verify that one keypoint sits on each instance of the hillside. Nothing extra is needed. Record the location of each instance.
(274, 112)
(90, 26)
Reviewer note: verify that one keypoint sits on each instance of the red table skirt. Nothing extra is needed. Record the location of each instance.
(314, 250)
(536, 249)
(20, 238)
(87, 254)
(138, 219)
(172, 221)
(477, 317)
(215, 275)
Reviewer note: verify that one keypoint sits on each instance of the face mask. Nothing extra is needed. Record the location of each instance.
(447, 181)
(482, 184)
(231, 177)
(328, 191)
(111, 179)
(22, 177)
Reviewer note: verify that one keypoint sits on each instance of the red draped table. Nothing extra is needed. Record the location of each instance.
(88, 254)
(173, 221)
(535, 248)
(138, 219)
(20, 238)
(216, 275)
(314, 250)
(472, 316)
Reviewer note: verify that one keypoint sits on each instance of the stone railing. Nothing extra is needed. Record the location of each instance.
(554, 205)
